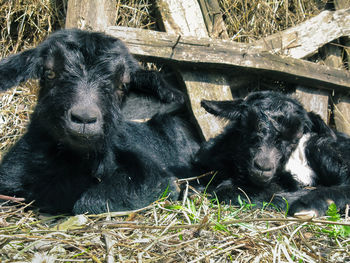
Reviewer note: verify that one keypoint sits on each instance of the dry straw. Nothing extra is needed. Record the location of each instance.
(198, 231)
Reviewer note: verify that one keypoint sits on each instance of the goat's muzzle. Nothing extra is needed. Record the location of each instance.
(84, 122)
(264, 164)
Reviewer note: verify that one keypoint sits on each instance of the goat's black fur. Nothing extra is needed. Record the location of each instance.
(79, 154)
(254, 152)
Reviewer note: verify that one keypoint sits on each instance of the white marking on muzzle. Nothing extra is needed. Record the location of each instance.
(297, 164)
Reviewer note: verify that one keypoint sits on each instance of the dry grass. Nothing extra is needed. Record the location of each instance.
(193, 231)
(247, 21)
(24, 24)
(135, 13)
(15, 108)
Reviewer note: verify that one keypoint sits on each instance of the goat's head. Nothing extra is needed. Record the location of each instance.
(265, 128)
(83, 76)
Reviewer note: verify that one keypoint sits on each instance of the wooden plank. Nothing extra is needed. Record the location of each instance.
(334, 58)
(304, 39)
(341, 4)
(314, 100)
(184, 18)
(207, 85)
(228, 55)
(91, 14)
(342, 113)
(213, 18)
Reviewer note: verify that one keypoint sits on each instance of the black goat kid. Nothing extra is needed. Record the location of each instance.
(273, 146)
(79, 154)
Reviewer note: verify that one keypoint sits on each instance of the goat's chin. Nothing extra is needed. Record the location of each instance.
(82, 143)
(261, 178)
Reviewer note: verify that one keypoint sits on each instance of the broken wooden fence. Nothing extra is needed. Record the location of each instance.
(208, 66)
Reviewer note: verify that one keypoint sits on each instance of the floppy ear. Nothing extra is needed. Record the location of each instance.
(18, 68)
(227, 109)
(319, 126)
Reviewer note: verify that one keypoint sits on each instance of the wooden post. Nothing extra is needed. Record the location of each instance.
(317, 101)
(213, 18)
(341, 4)
(91, 14)
(314, 100)
(184, 18)
(334, 58)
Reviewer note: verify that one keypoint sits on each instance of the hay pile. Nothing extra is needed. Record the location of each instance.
(194, 231)
(247, 21)
(24, 24)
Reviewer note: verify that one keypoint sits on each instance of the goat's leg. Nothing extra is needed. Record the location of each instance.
(153, 83)
(317, 201)
(327, 161)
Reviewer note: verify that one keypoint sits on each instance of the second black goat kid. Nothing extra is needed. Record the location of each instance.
(273, 148)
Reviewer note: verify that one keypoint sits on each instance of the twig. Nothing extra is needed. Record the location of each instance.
(240, 189)
(275, 228)
(219, 250)
(317, 255)
(11, 198)
(347, 212)
(109, 244)
(231, 222)
(179, 181)
(123, 213)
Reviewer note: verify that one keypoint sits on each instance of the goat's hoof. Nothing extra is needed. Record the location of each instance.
(306, 214)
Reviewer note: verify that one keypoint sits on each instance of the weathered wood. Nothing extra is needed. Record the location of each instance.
(314, 100)
(333, 55)
(341, 4)
(304, 39)
(342, 113)
(184, 18)
(91, 14)
(213, 18)
(228, 55)
(334, 58)
(345, 41)
(206, 85)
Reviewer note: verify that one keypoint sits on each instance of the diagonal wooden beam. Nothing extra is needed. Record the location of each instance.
(304, 39)
(228, 55)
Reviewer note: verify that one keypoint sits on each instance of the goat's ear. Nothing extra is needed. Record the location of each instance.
(18, 68)
(319, 126)
(226, 109)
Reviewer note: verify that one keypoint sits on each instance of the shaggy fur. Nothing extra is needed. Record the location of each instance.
(79, 154)
(273, 146)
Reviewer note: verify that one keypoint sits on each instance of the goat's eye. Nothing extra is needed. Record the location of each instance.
(50, 74)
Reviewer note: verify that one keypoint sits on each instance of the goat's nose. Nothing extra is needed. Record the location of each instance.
(263, 164)
(84, 120)
(82, 115)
